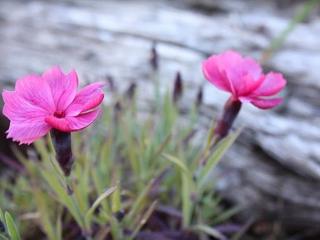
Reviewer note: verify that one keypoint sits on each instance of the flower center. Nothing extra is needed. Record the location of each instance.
(59, 114)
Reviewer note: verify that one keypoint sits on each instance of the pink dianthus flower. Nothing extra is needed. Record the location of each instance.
(244, 79)
(51, 101)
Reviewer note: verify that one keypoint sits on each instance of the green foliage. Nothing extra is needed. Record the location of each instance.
(9, 230)
(130, 162)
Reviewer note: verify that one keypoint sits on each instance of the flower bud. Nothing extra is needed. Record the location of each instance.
(154, 59)
(178, 88)
(199, 97)
(111, 84)
(131, 91)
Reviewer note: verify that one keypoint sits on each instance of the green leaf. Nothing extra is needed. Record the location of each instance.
(161, 147)
(187, 185)
(210, 231)
(144, 219)
(116, 200)
(59, 226)
(227, 214)
(11, 227)
(138, 204)
(3, 237)
(186, 199)
(96, 203)
(177, 162)
(43, 209)
(277, 42)
(3, 221)
(63, 197)
(2, 216)
(216, 156)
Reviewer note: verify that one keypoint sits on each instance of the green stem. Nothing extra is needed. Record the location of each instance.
(278, 41)
(66, 183)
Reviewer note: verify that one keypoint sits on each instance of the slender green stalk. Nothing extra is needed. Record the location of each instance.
(66, 182)
(279, 40)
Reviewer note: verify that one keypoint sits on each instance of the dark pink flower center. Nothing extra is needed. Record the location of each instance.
(59, 114)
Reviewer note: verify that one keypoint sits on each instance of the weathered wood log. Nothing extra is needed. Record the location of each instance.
(274, 168)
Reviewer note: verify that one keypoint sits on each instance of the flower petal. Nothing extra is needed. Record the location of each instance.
(88, 98)
(36, 91)
(266, 103)
(63, 87)
(20, 110)
(70, 124)
(212, 72)
(243, 73)
(249, 85)
(26, 133)
(26, 119)
(271, 85)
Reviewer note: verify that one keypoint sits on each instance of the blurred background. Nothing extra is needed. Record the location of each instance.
(273, 171)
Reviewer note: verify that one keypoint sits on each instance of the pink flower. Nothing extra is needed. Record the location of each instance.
(244, 79)
(51, 101)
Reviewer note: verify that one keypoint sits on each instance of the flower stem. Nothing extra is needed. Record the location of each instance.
(56, 142)
(86, 232)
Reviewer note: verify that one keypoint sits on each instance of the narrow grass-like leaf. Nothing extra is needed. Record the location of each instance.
(116, 229)
(218, 153)
(277, 42)
(210, 231)
(177, 162)
(187, 184)
(11, 227)
(42, 207)
(162, 147)
(3, 237)
(2, 219)
(63, 196)
(59, 226)
(116, 200)
(144, 219)
(139, 202)
(226, 215)
(3, 226)
(96, 203)
(169, 116)
(186, 199)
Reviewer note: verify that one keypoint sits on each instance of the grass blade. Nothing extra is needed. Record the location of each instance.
(210, 232)
(11, 227)
(96, 203)
(218, 153)
(177, 162)
(144, 219)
